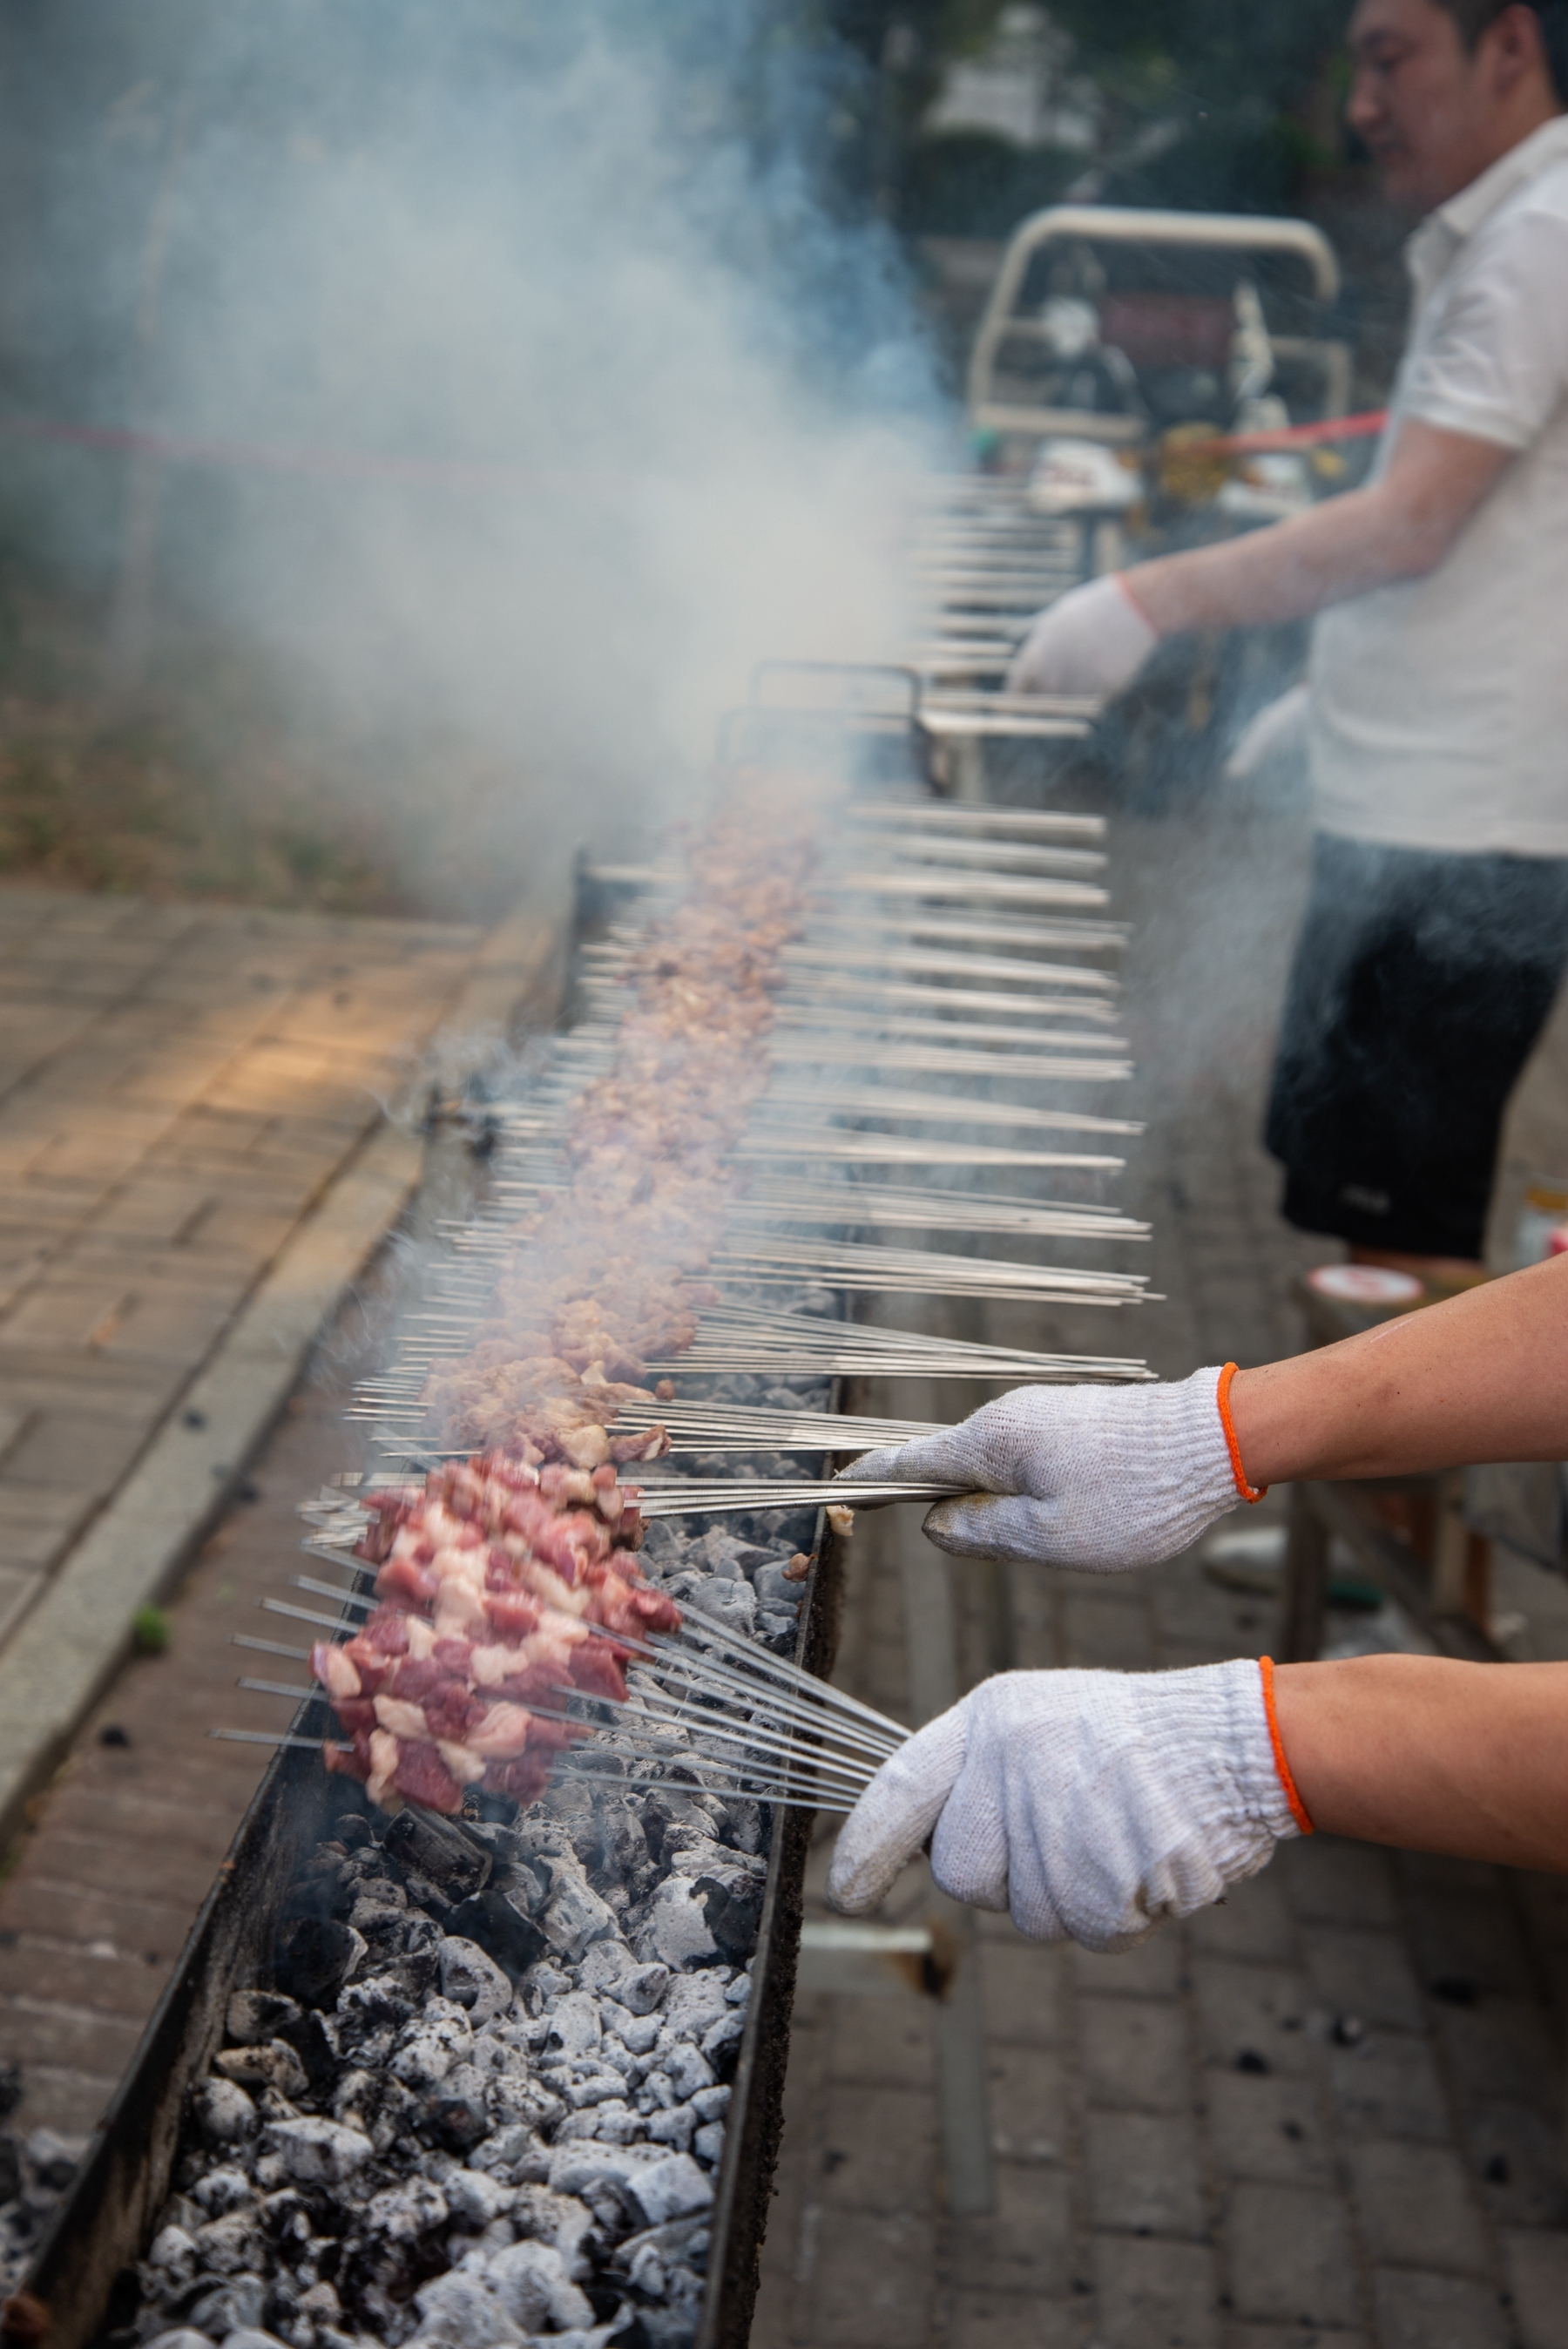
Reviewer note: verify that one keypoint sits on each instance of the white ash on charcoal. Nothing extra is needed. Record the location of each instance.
(485, 2101)
(35, 2172)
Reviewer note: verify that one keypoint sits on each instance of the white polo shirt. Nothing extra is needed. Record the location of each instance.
(1440, 707)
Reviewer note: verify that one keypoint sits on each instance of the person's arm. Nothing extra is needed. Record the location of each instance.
(1399, 527)
(1110, 1477)
(1095, 639)
(1096, 1804)
(1430, 1755)
(1482, 1377)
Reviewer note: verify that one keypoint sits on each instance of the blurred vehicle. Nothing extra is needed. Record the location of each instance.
(1124, 333)
(1118, 352)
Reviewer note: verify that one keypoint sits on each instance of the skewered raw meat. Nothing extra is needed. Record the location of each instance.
(572, 1321)
(498, 1582)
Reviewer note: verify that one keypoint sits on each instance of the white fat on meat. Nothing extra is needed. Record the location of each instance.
(383, 1764)
(402, 1718)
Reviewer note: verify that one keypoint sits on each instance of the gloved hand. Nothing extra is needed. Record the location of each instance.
(1102, 1477)
(1092, 1805)
(1094, 639)
(1278, 730)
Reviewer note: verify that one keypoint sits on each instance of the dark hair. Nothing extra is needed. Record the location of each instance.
(1473, 16)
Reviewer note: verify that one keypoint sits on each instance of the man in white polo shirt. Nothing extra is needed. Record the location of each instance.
(1438, 927)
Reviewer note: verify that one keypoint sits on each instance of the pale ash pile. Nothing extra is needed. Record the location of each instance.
(409, 2145)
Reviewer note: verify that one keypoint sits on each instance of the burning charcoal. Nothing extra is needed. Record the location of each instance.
(734, 1603)
(688, 2069)
(233, 2245)
(224, 2113)
(462, 2311)
(319, 1954)
(317, 2151)
(531, 2284)
(709, 2142)
(285, 2216)
(431, 2043)
(456, 1863)
(476, 2197)
(497, 1919)
(173, 2253)
(255, 2015)
(543, 1982)
(223, 2189)
(275, 2065)
(473, 1980)
(402, 2213)
(637, 2033)
(711, 2103)
(574, 2026)
(320, 2304)
(574, 1916)
(236, 2307)
(457, 2122)
(182, 2337)
(677, 1932)
(694, 2002)
(315, 2039)
(676, 2126)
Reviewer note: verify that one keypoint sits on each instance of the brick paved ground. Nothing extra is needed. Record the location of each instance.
(178, 1087)
(178, 1084)
(1328, 2112)
(126, 1844)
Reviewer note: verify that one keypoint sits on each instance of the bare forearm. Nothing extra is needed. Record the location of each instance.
(1398, 528)
(1483, 1377)
(1285, 572)
(1432, 1756)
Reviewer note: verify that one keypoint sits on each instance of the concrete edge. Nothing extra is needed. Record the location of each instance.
(77, 1634)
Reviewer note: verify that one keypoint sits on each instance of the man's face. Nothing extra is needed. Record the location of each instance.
(1423, 106)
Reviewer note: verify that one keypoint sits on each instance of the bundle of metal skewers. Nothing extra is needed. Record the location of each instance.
(941, 1009)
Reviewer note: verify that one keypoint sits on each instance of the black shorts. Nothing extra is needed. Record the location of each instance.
(1420, 985)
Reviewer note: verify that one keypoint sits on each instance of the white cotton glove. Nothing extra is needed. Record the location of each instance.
(1094, 640)
(1092, 1805)
(1277, 732)
(1102, 1477)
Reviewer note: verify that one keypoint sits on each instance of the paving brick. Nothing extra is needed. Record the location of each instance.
(1437, 2311)
(1503, 2047)
(1021, 1990)
(1470, 1945)
(1025, 2240)
(1107, 1635)
(1154, 2295)
(1028, 2118)
(1134, 2054)
(1330, 1883)
(994, 2320)
(1388, 2087)
(878, 2150)
(77, 1456)
(1143, 2173)
(1289, 2256)
(885, 2043)
(1253, 2013)
(1516, 2152)
(1252, 1922)
(1293, 2336)
(1416, 2207)
(1362, 1973)
(1270, 2129)
(1537, 2270)
(1153, 1970)
(873, 2283)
